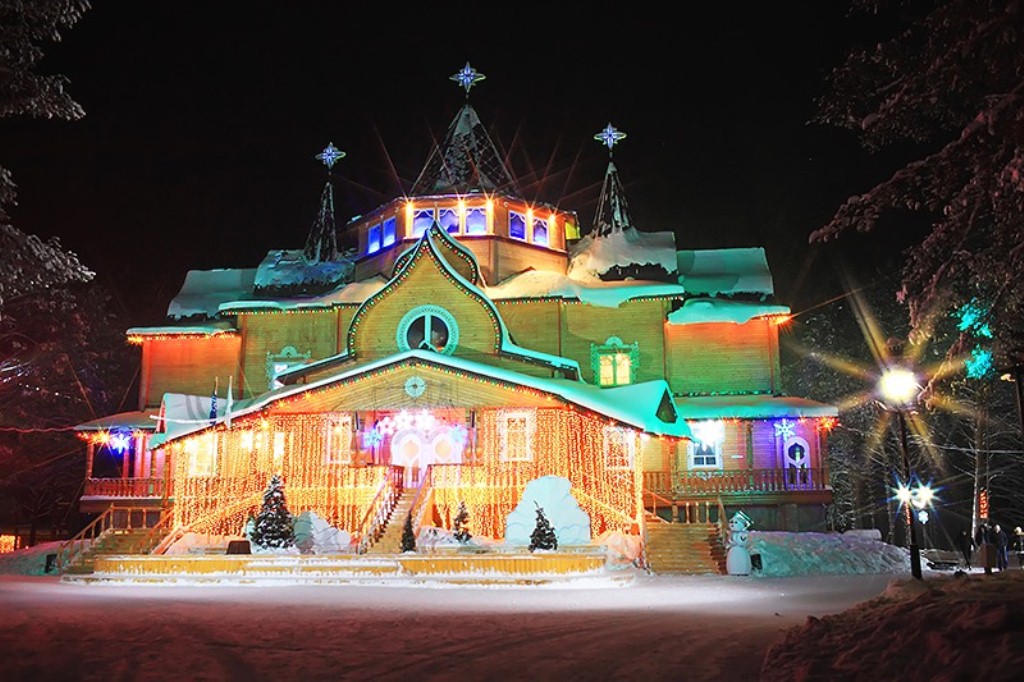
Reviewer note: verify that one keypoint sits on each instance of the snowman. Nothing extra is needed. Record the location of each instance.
(737, 561)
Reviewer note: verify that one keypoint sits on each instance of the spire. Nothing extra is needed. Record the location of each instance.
(612, 211)
(322, 242)
(467, 160)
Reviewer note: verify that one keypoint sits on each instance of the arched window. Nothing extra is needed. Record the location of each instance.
(428, 327)
(614, 362)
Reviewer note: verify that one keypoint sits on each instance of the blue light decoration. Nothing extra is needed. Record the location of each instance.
(973, 316)
(467, 77)
(119, 442)
(980, 364)
(459, 434)
(785, 429)
(610, 136)
(372, 438)
(330, 155)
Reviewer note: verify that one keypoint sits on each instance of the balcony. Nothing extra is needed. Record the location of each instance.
(752, 482)
(126, 488)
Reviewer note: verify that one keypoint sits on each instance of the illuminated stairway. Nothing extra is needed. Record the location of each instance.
(111, 543)
(685, 548)
(391, 540)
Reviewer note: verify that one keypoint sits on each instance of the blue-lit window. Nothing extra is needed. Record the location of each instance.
(373, 240)
(476, 221)
(516, 225)
(421, 221)
(449, 219)
(389, 233)
(540, 231)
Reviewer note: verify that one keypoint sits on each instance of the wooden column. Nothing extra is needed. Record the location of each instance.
(90, 453)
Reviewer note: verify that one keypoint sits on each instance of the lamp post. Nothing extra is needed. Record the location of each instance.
(898, 389)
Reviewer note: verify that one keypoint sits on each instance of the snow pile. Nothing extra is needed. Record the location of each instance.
(204, 290)
(290, 273)
(432, 538)
(314, 535)
(795, 554)
(548, 284)
(28, 561)
(622, 550)
(552, 494)
(725, 271)
(956, 628)
(593, 257)
(704, 310)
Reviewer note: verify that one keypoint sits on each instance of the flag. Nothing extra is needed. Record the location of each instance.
(213, 404)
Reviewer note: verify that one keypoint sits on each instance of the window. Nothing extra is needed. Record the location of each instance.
(619, 447)
(705, 449)
(202, 455)
(476, 221)
(797, 461)
(516, 225)
(449, 219)
(373, 240)
(389, 233)
(278, 362)
(540, 231)
(516, 429)
(338, 448)
(428, 327)
(614, 363)
(422, 219)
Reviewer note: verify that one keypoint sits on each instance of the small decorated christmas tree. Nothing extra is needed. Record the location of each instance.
(408, 537)
(461, 524)
(274, 527)
(543, 535)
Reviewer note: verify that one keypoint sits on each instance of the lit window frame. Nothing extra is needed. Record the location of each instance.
(708, 451)
(526, 225)
(373, 240)
(338, 436)
(428, 311)
(288, 357)
(505, 434)
(618, 351)
(625, 439)
(470, 226)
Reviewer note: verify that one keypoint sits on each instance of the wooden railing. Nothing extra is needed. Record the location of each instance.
(114, 517)
(125, 487)
(422, 503)
(718, 482)
(379, 511)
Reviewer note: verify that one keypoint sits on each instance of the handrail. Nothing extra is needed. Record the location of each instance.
(380, 508)
(179, 531)
(422, 501)
(71, 549)
(655, 497)
(151, 538)
(723, 524)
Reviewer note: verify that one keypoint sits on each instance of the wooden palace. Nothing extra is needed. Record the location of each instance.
(470, 343)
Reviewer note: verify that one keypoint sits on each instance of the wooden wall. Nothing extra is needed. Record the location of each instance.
(188, 365)
(722, 357)
(308, 332)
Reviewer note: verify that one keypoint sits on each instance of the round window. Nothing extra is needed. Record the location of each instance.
(428, 327)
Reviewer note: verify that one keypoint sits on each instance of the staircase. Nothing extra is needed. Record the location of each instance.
(685, 548)
(390, 541)
(111, 542)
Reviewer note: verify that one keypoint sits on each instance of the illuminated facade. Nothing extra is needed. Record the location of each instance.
(472, 344)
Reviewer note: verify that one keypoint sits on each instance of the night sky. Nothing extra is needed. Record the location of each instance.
(202, 121)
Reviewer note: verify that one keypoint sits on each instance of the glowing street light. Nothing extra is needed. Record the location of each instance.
(898, 389)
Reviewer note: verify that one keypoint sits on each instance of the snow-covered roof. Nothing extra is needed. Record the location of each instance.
(284, 269)
(204, 291)
(701, 310)
(181, 414)
(190, 414)
(211, 328)
(751, 407)
(349, 294)
(548, 284)
(593, 255)
(139, 420)
(725, 272)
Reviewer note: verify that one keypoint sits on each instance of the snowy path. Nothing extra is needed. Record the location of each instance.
(656, 629)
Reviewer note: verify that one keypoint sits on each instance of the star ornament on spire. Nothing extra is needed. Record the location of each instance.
(330, 155)
(610, 136)
(467, 77)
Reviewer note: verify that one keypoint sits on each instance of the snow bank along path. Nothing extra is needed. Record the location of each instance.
(659, 628)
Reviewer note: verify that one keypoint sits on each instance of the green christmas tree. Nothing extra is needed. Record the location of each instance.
(543, 535)
(275, 526)
(408, 536)
(461, 524)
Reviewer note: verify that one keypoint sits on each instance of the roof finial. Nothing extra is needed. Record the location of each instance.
(610, 137)
(330, 155)
(467, 77)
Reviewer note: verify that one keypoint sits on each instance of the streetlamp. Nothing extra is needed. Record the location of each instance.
(898, 389)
